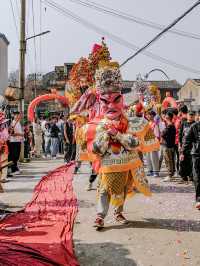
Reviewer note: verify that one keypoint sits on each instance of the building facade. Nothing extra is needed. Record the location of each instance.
(190, 93)
(3, 63)
(58, 78)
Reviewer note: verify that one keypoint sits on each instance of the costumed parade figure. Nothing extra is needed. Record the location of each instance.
(112, 141)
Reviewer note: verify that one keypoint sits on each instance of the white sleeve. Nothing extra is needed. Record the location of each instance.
(18, 128)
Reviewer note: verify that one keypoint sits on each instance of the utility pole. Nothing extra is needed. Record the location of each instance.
(22, 52)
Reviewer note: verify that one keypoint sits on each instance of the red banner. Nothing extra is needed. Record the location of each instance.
(41, 234)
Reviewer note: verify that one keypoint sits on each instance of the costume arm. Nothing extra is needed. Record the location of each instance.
(157, 131)
(101, 143)
(86, 101)
(127, 140)
(81, 135)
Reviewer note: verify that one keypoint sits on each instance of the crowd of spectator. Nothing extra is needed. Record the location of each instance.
(179, 134)
(177, 130)
(44, 138)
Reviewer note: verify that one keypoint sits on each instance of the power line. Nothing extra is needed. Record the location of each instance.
(15, 24)
(40, 36)
(14, 19)
(35, 52)
(27, 34)
(17, 7)
(33, 22)
(122, 15)
(28, 16)
(159, 35)
(115, 38)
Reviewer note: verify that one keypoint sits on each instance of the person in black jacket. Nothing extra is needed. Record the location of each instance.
(54, 138)
(70, 143)
(183, 112)
(186, 161)
(168, 143)
(192, 144)
(197, 118)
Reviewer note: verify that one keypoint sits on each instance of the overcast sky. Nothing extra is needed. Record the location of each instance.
(68, 40)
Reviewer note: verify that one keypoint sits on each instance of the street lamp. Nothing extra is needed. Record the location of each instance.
(22, 66)
(32, 37)
(37, 35)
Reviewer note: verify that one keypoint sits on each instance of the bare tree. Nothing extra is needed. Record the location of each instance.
(13, 78)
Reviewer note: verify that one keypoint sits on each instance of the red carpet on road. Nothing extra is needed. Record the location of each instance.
(42, 233)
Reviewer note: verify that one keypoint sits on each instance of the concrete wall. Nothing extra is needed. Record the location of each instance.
(3, 65)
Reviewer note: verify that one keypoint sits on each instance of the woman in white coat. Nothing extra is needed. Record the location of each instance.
(37, 132)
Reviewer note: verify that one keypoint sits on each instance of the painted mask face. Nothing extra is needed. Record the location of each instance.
(111, 105)
(83, 85)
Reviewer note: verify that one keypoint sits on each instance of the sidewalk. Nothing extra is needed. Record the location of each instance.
(164, 229)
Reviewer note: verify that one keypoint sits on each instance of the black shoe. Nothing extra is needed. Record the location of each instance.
(9, 175)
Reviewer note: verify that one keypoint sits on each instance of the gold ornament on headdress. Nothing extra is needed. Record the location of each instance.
(110, 64)
(100, 54)
(86, 69)
(154, 91)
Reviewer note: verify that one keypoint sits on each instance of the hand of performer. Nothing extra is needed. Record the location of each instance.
(112, 131)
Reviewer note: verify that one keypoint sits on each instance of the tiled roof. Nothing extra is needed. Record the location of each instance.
(2, 36)
(161, 84)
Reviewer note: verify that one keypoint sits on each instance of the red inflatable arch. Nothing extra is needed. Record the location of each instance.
(42, 98)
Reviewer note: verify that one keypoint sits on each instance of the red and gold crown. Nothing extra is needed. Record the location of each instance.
(80, 71)
(100, 53)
